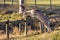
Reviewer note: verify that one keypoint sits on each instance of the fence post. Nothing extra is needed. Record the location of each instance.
(25, 33)
(35, 3)
(40, 26)
(51, 4)
(7, 29)
(19, 27)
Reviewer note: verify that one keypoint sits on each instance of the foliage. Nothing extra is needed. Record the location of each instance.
(11, 17)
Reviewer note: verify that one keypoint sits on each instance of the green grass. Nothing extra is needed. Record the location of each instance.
(54, 2)
(11, 17)
(32, 2)
(44, 2)
(9, 0)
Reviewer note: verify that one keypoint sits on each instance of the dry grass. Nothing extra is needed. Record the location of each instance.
(55, 35)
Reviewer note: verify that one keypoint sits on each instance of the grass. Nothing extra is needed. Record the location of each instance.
(54, 2)
(46, 2)
(11, 17)
(43, 3)
(55, 35)
(9, 2)
(40, 3)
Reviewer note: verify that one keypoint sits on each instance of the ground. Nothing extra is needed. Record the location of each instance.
(54, 35)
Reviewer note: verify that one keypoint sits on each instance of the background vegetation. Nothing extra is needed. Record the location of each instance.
(55, 35)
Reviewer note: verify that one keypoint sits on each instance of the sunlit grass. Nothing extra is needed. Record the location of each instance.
(45, 2)
(55, 35)
(9, 2)
(11, 17)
